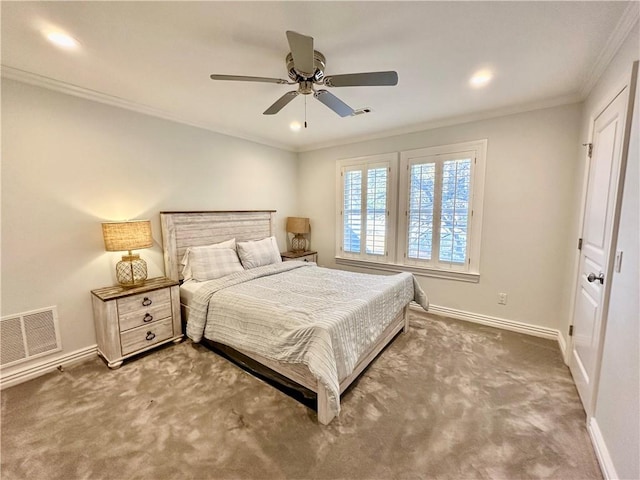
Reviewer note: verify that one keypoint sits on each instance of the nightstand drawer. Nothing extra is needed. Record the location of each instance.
(143, 301)
(308, 256)
(146, 335)
(302, 258)
(144, 316)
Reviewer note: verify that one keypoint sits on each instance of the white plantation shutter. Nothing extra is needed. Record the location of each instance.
(366, 197)
(421, 209)
(442, 188)
(377, 182)
(420, 213)
(455, 210)
(439, 189)
(352, 210)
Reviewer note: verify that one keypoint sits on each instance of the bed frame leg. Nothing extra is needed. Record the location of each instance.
(324, 415)
(405, 329)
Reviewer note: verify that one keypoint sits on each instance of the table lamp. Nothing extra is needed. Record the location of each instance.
(131, 271)
(299, 226)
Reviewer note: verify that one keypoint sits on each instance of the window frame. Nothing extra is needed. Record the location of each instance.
(390, 162)
(398, 200)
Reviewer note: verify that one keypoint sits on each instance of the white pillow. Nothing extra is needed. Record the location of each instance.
(211, 263)
(186, 265)
(257, 253)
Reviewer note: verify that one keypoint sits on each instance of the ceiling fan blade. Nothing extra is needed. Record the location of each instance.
(242, 78)
(371, 79)
(302, 52)
(334, 103)
(281, 103)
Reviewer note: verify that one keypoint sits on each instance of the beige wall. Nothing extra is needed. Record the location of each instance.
(69, 163)
(530, 181)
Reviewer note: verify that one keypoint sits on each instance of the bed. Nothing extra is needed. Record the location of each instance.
(315, 327)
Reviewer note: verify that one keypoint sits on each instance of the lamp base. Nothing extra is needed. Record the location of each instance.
(131, 271)
(298, 243)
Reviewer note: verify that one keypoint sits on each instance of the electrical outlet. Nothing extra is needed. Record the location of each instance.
(502, 298)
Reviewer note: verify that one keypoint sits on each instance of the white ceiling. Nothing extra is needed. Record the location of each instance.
(156, 57)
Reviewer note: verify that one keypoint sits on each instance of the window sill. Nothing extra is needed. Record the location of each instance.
(420, 271)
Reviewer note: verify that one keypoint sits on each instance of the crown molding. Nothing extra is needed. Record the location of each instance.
(620, 33)
(450, 121)
(93, 95)
(30, 78)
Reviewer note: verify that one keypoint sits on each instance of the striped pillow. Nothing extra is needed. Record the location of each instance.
(258, 253)
(186, 266)
(209, 263)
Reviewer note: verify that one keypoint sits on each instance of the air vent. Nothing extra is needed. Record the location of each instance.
(361, 111)
(29, 335)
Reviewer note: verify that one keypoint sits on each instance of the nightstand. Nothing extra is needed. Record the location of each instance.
(130, 321)
(308, 256)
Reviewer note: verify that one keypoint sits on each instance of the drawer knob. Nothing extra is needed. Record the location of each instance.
(150, 336)
(146, 302)
(147, 318)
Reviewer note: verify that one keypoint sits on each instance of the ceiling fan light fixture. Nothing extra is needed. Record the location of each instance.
(295, 126)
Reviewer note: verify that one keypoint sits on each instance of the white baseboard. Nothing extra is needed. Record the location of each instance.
(563, 348)
(35, 370)
(46, 366)
(602, 452)
(512, 325)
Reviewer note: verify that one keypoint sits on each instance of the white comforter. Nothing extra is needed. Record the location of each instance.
(296, 312)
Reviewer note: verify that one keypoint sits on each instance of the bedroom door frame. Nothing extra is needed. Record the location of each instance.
(626, 87)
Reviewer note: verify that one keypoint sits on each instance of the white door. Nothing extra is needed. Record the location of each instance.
(591, 293)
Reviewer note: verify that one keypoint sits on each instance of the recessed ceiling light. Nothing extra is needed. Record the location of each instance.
(295, 126)
(481, 78)
(62, 40)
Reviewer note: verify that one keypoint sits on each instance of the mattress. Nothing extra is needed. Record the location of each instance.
(188, 290)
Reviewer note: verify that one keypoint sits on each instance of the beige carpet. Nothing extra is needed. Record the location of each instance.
(448, 400)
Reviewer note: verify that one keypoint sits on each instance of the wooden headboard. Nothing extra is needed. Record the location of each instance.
(181, 230)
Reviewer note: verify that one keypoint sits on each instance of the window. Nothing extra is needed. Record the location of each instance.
(437, 223)
(365, 202)
(438, 210)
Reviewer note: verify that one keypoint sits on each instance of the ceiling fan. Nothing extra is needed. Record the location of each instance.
(305, 67)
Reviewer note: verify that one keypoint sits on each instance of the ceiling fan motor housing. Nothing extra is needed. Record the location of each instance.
(319, 64)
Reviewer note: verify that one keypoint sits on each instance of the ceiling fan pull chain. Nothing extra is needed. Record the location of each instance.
(305, 111)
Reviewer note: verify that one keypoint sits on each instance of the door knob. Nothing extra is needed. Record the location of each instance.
(592, 278)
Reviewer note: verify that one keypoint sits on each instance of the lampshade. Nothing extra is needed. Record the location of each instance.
(297, 225)
(121, 236)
